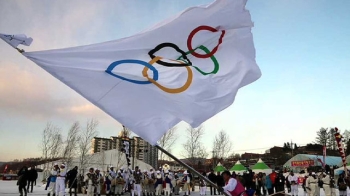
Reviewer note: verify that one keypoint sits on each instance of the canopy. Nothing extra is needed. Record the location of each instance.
(260, 166)
(238, 168)
(219, 168)
(302, 161)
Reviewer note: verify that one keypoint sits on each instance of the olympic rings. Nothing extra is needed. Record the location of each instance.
(196, 30)
(181, 61)
(215, 61)
(162, 45)
(116, 63)
(165, 89)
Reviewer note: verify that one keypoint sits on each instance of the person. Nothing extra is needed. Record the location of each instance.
(177, 185)
(137, 175)
(342, 185)
(202, 185)
(279, 182)
(61, 181)
(220, 182)
(158, 183)
(151, 181)
(268, 184)
(232, 186)
(167, 182)
(326, 184)
(22, 180)
(313, 184)
(53, 177)
(90, 182)
(119, 184)
(32, 176)
(72, 180)
(47, 176)
(213, 178)
(186, 181)
(99, 181)
(293, 180)
(273, 177)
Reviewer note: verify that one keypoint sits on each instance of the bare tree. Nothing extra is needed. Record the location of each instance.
(167, 141)
(71, 143)
(51, 142)
(193, 147)
(222, 145)
(84, 144)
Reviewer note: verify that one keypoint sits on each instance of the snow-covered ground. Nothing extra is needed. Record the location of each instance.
(10, 188)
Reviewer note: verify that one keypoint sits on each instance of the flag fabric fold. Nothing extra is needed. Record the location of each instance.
(187, 69)
(15, 40)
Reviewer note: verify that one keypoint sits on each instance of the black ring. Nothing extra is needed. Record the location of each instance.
(163, 45)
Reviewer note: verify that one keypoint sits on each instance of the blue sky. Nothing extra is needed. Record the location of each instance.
(302, 48)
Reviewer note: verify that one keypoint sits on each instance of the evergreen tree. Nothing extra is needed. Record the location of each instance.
(322, 136)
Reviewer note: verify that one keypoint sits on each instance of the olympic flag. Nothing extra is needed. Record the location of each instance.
(187, 68)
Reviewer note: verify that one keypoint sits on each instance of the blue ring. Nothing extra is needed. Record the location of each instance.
(116, 63)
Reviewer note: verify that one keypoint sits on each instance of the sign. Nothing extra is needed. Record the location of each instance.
(305, 163)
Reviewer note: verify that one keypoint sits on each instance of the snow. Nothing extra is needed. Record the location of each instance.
(8, 188)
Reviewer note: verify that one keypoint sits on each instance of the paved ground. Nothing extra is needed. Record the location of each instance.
(10, 188)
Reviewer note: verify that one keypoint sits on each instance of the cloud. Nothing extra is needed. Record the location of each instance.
(24, 93)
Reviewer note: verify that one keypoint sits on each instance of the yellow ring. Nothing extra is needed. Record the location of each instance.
(165, 89)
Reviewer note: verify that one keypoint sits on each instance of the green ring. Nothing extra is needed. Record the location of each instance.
(216, 63)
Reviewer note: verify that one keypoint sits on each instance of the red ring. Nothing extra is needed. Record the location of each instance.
(191, 35)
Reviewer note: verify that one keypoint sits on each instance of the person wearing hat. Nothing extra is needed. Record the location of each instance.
(137, 175)
(90, 182)
(119, 184)
(232, 186)
(293, 180)
(53, 177)
(151, 181)
(342, 185)
(145, 181)
(126, 176)
(167, 181)
(186, 180)
(61, 180)
(99, 180)
(202, 185)
(313, 180)
(159, 183)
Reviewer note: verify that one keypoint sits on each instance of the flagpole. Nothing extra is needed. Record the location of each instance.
(190, 168)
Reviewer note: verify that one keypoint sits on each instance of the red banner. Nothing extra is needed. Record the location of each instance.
(305, 163)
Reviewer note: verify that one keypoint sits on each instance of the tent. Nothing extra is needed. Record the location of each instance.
(219, 168)
(302, 161)
(238, 168)
(260, 166)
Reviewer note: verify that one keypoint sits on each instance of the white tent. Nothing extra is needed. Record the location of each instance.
(260, 166)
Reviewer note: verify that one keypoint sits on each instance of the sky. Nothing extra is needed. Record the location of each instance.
(302, 48)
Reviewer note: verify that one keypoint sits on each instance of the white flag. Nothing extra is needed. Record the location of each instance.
(15, 40)
(186, 69)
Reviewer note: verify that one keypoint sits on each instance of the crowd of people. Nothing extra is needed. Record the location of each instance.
(165, 182)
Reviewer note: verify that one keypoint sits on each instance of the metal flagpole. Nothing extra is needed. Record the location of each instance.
(189, 168)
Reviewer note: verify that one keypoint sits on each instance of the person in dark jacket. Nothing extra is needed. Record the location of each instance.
(220, 182)
(212, 177)
(22, 180)
(279, 182)
(32, 176)
(72, 180)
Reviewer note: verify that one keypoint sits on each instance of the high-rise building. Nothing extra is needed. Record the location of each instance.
(140, 149)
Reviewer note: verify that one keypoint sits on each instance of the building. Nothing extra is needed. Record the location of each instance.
(140, 149)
